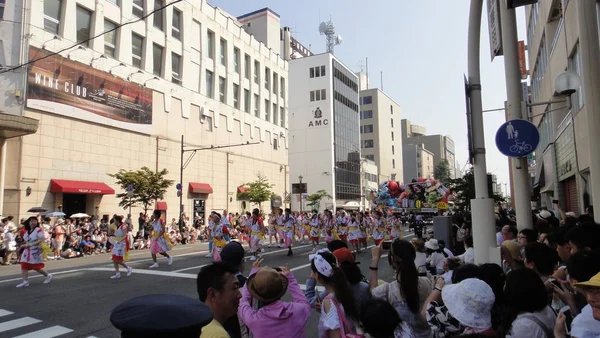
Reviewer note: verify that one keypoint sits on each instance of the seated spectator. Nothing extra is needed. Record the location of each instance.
(87, 246)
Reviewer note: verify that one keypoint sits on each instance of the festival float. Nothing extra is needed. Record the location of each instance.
(426, 195)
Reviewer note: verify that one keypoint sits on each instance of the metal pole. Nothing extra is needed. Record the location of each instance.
(3, 146)
(301, 201)
(514, 94)
(482, 207)
(181, 191)
(227, 182)
(589, 50)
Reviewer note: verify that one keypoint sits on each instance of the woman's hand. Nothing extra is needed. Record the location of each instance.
(560, 329)
(257, 263)
(565, 296)
(376, 253)
(439, 283)
(284, 270)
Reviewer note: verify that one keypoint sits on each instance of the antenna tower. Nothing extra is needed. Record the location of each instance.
(332, 40)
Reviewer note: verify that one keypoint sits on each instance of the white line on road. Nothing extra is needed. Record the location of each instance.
(174, 256)
(50, 332)
(150, 272)
(17, 323)
(38, 276)
(5, 313)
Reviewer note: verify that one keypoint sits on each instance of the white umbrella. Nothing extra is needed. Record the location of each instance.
(55, 214)
(79, 215)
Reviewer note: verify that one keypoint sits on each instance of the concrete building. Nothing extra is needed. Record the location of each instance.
(441, 146)
(324, 153)
(563, 155)
(370, 181)
(124, 100)
(379, 118)
(417, 161)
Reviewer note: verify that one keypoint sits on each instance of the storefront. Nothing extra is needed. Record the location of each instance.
(199, 192)
(79, 196)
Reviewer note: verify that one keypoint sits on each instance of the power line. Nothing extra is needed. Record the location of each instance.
(89, 39)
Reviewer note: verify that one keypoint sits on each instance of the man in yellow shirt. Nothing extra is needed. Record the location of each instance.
(218, 288)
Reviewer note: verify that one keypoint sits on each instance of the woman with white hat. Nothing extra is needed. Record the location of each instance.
(9, 243)
(435, 259)
(470, 302)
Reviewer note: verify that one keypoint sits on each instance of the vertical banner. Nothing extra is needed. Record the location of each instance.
(522, 62)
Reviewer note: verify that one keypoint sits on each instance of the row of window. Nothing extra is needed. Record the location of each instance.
(316, 71)
(539, 70)
(368, 143)
(345, 79)
(317, 95)
(370, 177)
(366, 129)
(366, 114)
(370, 157)
(345, 101)
(366, 100)
(208, 123)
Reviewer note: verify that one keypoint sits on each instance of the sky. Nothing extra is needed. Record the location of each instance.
(420, 46)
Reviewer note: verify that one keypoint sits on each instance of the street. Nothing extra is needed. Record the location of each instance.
(81, 296)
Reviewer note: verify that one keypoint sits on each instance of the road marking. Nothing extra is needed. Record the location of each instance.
(318, 287)
(38, 276)
(174, 256)
(50, 332)
(150, 272)
(5, 313)
(17, 323)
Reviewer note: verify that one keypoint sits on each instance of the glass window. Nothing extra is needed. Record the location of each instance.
(312, 96)
(393, 150)
(110, 39)
(137, 44)
(246, 101)
(267, 110)
(366, 114)
(52, 15)
(223, 51)
(282, 116)
(256, 105)
(157, 59)
(84, 19)
(138, 8)
(275, 116)
(392, 136)
(210, 44)
(209, 85)
(158, 14)
(176, 68)
(366, 100)
(393, 163)
(274, 82)
(317, 71)
(256, 72)
(267, 78)
(391, 109)
(176, 24)
(236, 96)
(114, 2)
(368, 144)
(392, 123)
(575, 66)
(322, 70)
(209, 123)
(317, 95)
(311, 72)
(370, 157)
(368, 128)
(2, 9)
(222, 89)
(282, 88)
(323, 94)
(247, 66)
(236, 60)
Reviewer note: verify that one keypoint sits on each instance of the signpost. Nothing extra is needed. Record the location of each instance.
(517, 138)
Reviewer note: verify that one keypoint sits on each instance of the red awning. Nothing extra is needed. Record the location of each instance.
(161, 206)
(80, 187)
(242, 189)
(200, 188)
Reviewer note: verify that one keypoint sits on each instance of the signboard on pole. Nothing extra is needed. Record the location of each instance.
(469, 122)
(494, 28)
(517, 138)
(522, 63)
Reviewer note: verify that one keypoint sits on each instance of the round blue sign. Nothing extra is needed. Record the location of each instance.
(517, 138)
(178, 186)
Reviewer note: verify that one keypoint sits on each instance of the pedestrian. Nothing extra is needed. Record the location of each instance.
(233, 254)
(288, 230)
(218, 288)
(35, 250)
(120, 252)
(160, 244)
(257, 229)
(10, 243)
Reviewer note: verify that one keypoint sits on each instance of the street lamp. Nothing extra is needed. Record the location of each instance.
(300, 180)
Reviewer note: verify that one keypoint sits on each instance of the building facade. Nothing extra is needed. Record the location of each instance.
(379, 118)
(125, 100)
(417, 161)
(370, 182)
(324, 146)
(441, 146)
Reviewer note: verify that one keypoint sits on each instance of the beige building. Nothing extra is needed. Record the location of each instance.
(562, 159)
(442, 147)
(379, 131)
(370, 182)
(124, 101)
(418, 161)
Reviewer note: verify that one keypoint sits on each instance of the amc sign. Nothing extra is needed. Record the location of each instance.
(318, 119)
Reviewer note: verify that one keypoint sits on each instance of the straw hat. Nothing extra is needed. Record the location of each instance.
(470, 302)
(513, 249)
(594, 282)
(267, 285)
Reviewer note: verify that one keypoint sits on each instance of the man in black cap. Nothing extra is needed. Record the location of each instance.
(218, 288)
(233, 254)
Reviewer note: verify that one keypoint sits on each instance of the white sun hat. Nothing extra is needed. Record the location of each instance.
(432, 244)
(470, 302)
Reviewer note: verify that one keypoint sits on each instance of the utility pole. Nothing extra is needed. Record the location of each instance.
(514, 95)
(482, 207)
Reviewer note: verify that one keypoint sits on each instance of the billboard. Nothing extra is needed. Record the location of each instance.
(57, 85)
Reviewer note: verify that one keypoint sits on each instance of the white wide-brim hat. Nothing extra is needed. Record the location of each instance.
(432, 244)
(470, 302)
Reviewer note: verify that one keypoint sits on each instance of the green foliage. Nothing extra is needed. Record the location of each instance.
(465, 189)
(314, 200)
(148, 186)
(441, 172)
(259, 191)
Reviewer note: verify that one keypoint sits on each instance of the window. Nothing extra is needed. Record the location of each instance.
(282, 88)
(209, 85)
(533, 17)
(316, 71)
(282, 116)
(392, 136)
(392, 123)
(391, 109)
(366, 100)
(575, 66)
(311, 72)
(138, 8)
(368, 144)
(2, 9)
(393, 150)
(370, 157)
(275, 116)
(114, 2)
(366, 129)
(256, 105)
(176, 24)
(312, 96)
(274, 82)
(110, 39)
(267, 78)
(176, 68)
(247, 66)
(223, 51)
(158, 14)
(137, 44)
(52, 9)
(210, 44)
(222, 89)
(317, 95)
(393, 164)
(256, 72)
(157, 59)
(209, 123)
(84, 19)
(275, 144)
(246, 101)
(236, 60)
(236, 96)
(322, 70)
(323, 94)
(267, 110)
(539, 70)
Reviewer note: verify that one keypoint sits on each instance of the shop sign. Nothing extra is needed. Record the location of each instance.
(318, 119)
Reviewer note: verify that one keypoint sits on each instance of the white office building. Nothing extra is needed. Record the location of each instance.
(324, 145)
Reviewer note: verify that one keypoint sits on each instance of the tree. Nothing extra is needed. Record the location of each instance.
(464, 188)
(148, 186)
(258, 191)
(314, 200)
(441, 172)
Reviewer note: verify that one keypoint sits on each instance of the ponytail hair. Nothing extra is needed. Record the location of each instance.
(337, 280)
(402, 258)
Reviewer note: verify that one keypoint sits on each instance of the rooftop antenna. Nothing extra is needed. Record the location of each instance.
(332, 40)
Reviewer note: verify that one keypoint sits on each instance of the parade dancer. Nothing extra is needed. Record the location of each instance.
(342, 224)
(34, 253)
(396, 231)
(256, 234)
(315, 230)
(209, 230)
(354, 233)
(288, 224)
(271, 229)
(329, 226)
(160, 243)
(120, 250)
(363, 224)
(378, 228)
(219, 241)
(280, 226)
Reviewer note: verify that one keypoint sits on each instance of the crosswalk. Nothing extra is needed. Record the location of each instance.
(15, 326)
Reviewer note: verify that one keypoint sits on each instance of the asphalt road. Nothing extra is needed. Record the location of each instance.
(80, 298)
